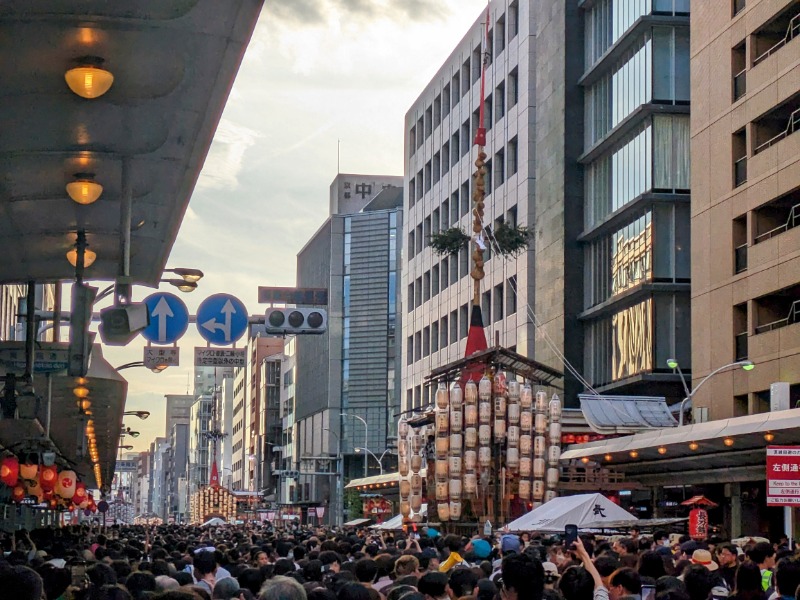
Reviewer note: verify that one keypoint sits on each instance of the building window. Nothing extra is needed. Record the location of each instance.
(444, 331)
(437, 167)
(500, 35)
(419, 238)
(410, 350)
(435, 228)
(498, 303)
(418, 292)
(465, 138)
(428, 122)
(738, 6)
(500, 104)
(511, 156)
(463, 262)
(465, 81)
(499, 168)
(445, 157)
(740, 336)
(426, 342)
(411, 245)
(513, 19)
(445, 215)
(453, 268)
(411, 192)
(420, 131)
(453, 326)
(410, 297)
(417, 346)
(511, 295)
(739, 148)
(445, 274)
(776, 216)
(428, 182)
(454, 208)
(512, 89)
(464, 320)
(477, 63)
(437, 111)
(435, 280)
(464, 198)
(487, 179)
(486, 306)
(739, 69)
(446, 101)
(455, 94)
(740, 244)
(455, 146)
(434, 337)
(419, 185)
(412, 140)
(426, 286)
(426, 232)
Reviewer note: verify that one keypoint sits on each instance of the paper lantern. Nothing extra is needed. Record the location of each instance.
(525, 444)
(456, 443)
(441, 470)
(553, 476)
(29, 471)
(456, 420)
(485, 388)
(443, 509)
(416, 502)
(403, 467)
(442, 446)
(513, 390)
(402, 447)
(513, 435)
(441, 490)
(454, 464)
(525, 464)
(455, 510)
(540, 423)
(454, 489)
(442, 397)
(485, 413)
(513, 413)
(416, 483)
(470, 483)
(499, 429)
(555, 409)
(500, 407)
(526, 421)
(405, 509)
(550, 495)
(470, 393)
(525, 489)
(18, 493)
(9, 470)
(34, 488)
(456, 397)
(416, 463)
(538, 489)
(470, 415)
(485, 435)
(48, 478)
(512, 458)
(470, 437)
(553, 455)
(470, 460)
(80, 496)
(526, 396)
(405, 488)
(539, 446)
(538, 468)
(402, 428)
(485, 457)
(555, 433)
(442, 422)
(65, 486)
(540, 406)
(417, 443)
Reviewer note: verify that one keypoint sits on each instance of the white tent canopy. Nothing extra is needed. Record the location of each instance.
(214, 522)
(396, 522)
(580, 510)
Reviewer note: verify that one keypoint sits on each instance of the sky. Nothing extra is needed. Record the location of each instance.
(317, 74)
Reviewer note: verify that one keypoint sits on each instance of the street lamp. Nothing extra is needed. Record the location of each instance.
(128, 431)
(372, 454)
(366, 439)
(188, 275)
(125, 447)
(142, 414)
(746, 365)
(339, 477)
(140, 363)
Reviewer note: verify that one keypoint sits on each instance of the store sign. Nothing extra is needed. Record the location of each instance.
(783, 475)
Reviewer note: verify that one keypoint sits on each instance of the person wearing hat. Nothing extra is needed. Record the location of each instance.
(455, 545)
(703, 557)
(550, 575)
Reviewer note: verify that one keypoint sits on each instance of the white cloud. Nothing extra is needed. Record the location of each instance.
(225, 158)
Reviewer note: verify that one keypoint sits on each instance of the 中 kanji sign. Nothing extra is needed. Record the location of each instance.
(783, 475)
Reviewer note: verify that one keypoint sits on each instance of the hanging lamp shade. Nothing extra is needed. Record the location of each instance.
(48, 478)
(34, 488)
(65, 486)
(18, 493)
(89, 256)
(89, 80)
(29, 471)
(9, 470)
(80, 496)
(84, 190)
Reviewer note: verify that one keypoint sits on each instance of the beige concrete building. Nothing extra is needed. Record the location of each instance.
(745, 128)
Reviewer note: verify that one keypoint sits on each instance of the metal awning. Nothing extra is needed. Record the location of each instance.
(638, 523)
(710, 460)
(385, 480)
(611, 415)
(173, 62)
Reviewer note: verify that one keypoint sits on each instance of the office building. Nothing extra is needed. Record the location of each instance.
(178, 410)
(587, 145)
(351, 368)
(440, 128)
(745, 202)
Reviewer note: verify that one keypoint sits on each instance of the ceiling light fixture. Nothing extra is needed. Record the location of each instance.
(634, 454)
(89, 80)
(662, 450)
(585, 460)
(728, 441)
(769, 436)
(81, 392)
(607, 457)
(89, 256)
(693, 445)
(84, 190)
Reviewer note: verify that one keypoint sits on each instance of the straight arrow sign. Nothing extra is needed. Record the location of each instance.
(162, 312)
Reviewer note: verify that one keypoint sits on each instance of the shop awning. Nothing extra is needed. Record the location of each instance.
(693, 449)
(357, 522)
(376, 481)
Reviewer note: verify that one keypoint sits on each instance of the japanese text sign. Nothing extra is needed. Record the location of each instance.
(783, 475)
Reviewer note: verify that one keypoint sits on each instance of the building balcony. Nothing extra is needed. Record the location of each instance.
(776, 33)
(777, 310)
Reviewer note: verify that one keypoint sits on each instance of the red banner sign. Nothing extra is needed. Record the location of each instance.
(783, 475)
(698, 524)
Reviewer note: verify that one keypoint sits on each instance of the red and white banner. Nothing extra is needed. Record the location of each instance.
(783, 475)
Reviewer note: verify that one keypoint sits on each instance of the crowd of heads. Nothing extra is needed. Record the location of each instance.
(244, 563)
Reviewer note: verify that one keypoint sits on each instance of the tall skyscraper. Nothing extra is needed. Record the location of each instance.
(352, 368)
(179, 410)
(745, 203)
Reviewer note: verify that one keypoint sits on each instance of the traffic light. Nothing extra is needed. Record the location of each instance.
(296, 321)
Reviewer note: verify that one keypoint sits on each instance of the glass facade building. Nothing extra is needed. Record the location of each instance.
(636, 195)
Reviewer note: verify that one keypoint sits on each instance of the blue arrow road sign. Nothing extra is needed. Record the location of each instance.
(221, 319)
(169, 318)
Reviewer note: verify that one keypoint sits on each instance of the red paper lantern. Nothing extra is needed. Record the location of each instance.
(18, 493)
(48, 478)
(80, 496)
(9, 470)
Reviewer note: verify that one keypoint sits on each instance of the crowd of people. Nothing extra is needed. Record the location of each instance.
(243, 563)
